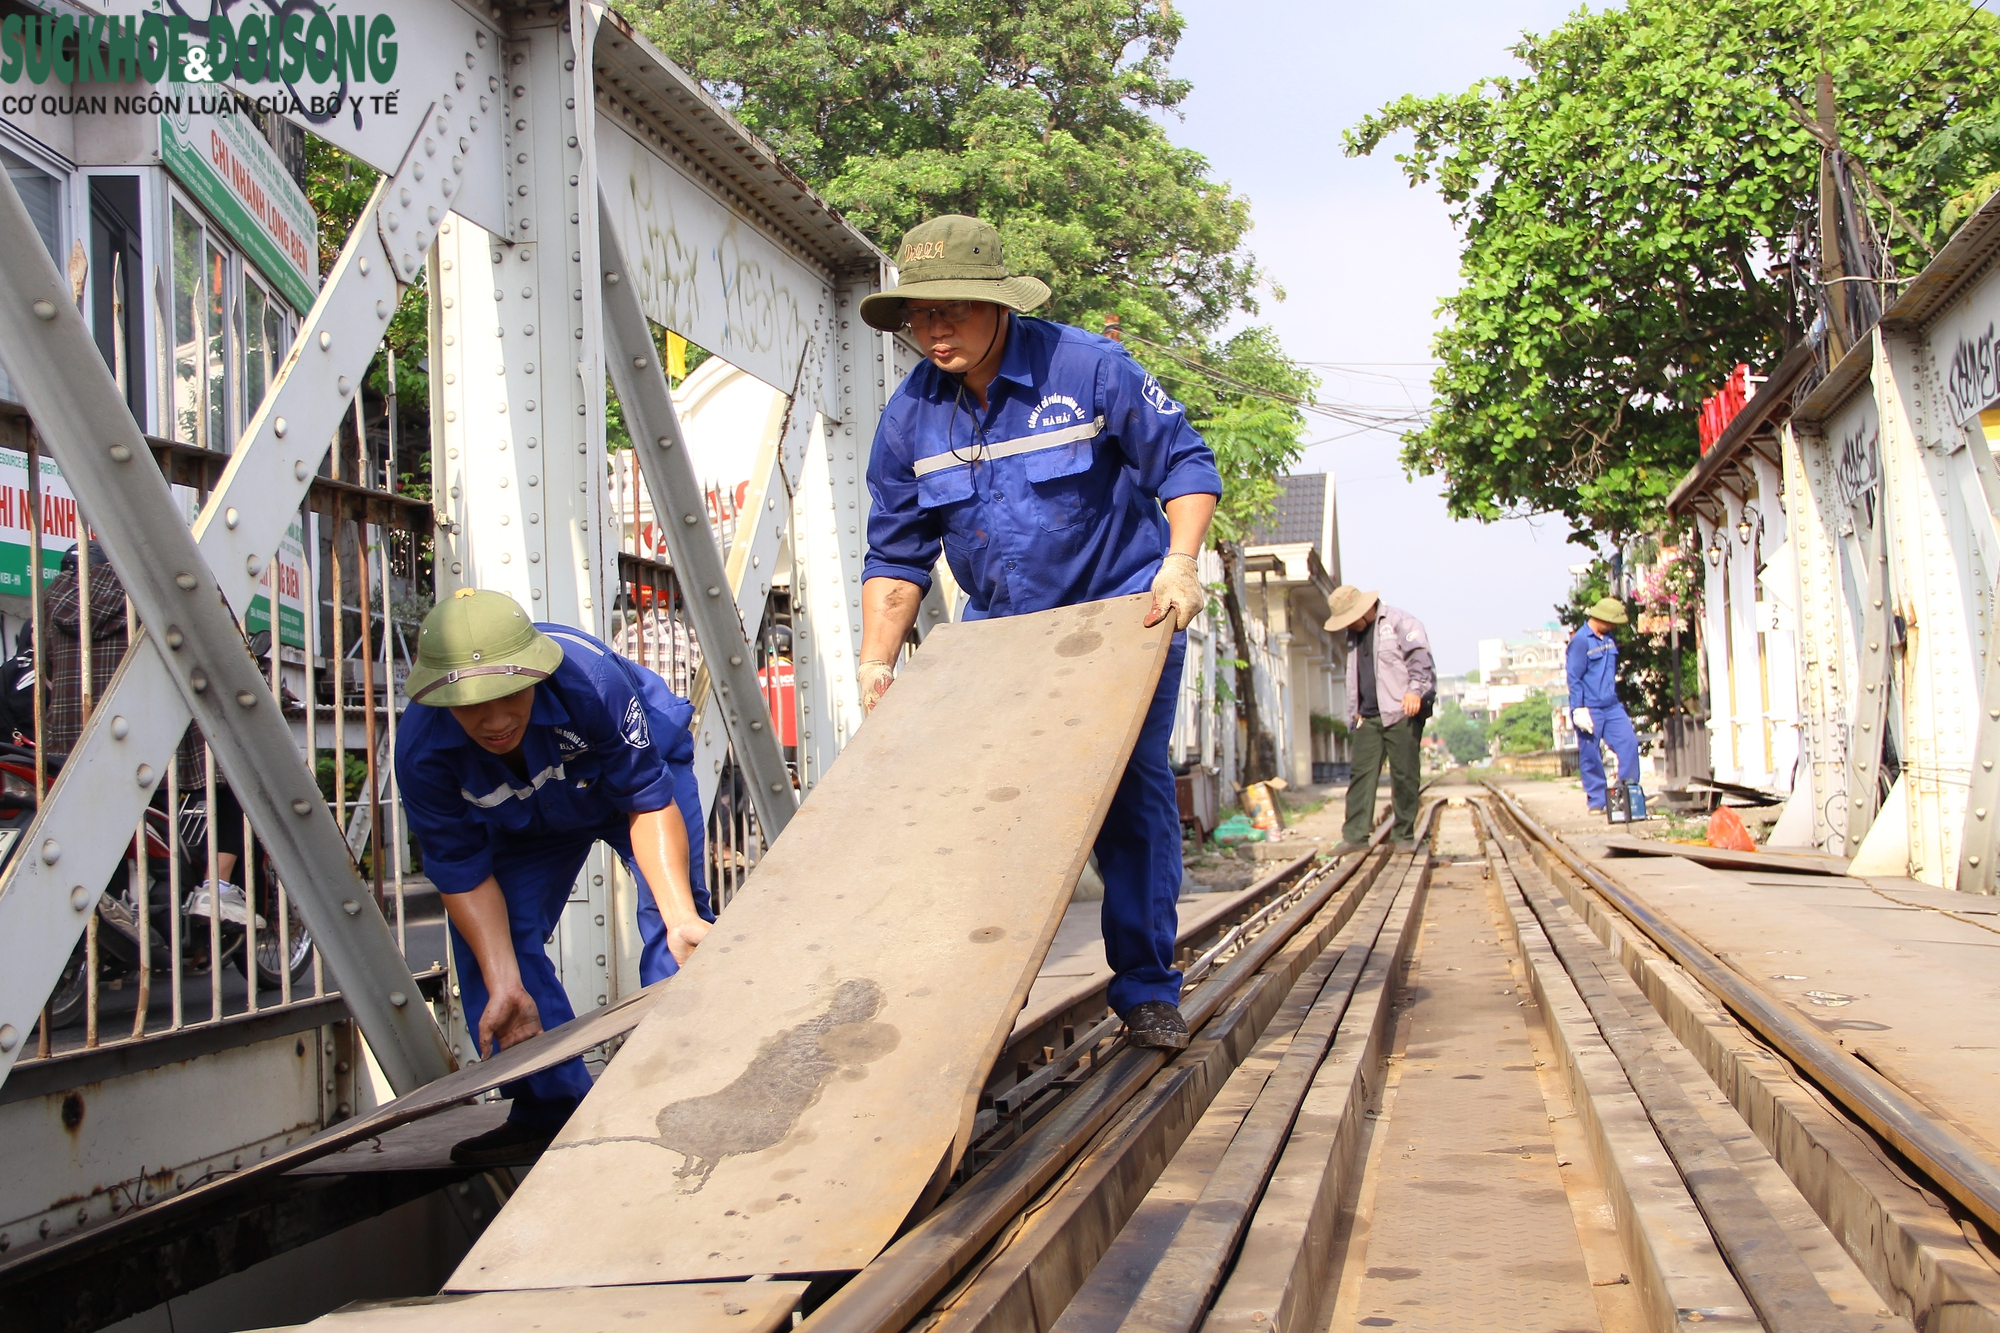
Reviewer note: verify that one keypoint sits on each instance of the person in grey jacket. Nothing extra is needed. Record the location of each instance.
(1390, 684)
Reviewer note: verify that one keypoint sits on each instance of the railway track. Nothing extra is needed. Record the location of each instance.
(1427, 1089)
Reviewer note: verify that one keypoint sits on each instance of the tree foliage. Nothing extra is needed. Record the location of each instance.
(1038, 115)
(1527, 726)
(1463, 736)
(1623, 205)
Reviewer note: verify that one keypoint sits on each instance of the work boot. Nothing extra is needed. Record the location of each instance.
(1158, 1025)
(1407, 844)
(511, 1143)
(1349, 849)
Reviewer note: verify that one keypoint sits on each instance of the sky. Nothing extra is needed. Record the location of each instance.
(1363, 260)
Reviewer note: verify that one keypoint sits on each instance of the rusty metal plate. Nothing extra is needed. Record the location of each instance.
(795, 1088)
(736, 1307)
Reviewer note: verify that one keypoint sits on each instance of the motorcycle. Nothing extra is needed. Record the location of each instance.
(183, 838)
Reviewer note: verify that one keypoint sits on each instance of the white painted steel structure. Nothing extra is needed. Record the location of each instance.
(1862, 611)
(564, 190)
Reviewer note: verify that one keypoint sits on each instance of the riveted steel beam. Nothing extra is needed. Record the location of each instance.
(697, 560)
(166, 568)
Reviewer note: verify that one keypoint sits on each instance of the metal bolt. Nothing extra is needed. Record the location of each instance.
(756, 726)
(174, 636)
(714, 592)
(664, 442)
(9, 1037)
(398, 999)
(43, 310)
(254, 565)
(301, 807)
(351, 907)
(230, 517)
(343, 384)
(247, 698)
(79, 898)
(381, 310)
(279, 427)
(120, 728)
(325, 339)
(638, 363)
(120, 454)
(51, 852)
(185, 580)
(611, 279)
(198, 681)
(143, 775)
(299, 469)
(689, 519)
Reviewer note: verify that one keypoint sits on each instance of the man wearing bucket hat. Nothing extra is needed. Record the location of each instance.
(1051, 470)
(1593, 701)
(1390, 680)
(524, 746)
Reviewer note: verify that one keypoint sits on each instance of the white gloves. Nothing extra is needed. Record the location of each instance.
(874, 678)
(1580, 719)
(1177, 590)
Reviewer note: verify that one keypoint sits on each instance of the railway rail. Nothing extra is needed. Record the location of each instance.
(1247, 1183)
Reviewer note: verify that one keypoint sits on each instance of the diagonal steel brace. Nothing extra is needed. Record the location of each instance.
(202, 670)
(681, 514)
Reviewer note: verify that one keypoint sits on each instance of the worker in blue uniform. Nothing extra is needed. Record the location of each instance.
(1593, 701)
(524, 745)
(1052, 470)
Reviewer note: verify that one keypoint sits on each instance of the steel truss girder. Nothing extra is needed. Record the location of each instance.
(681, 514)
(1979, 846)
(170, 572)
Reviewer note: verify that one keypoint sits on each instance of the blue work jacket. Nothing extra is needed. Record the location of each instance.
(1049, 497)
(1593, 669)
(606, 739)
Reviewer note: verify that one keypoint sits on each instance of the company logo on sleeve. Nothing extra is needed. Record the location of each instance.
(1154, 394)
(636, 733)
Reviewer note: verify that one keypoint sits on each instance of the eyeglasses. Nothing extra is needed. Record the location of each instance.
(949, 314)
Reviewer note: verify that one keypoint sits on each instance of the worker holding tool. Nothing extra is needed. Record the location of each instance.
(523, 747)
(1593, 702)
(1052, 470)
(1391, 688)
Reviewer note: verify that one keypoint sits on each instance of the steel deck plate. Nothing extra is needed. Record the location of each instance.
(736, 1307)
(797, 1086)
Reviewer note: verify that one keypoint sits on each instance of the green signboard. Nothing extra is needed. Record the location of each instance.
(226, 164)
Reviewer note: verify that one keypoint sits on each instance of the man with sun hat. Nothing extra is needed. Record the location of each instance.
(524, 746)
(1051, 470)
(1594, 710)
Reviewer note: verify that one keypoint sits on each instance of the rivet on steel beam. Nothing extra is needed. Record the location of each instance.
(301, 807)
(300, 470)
(381, 310)
(343, 384)
(664, 442)
(279, 427)
(689, 519)
(247, 698)
(51, 852)
(735, 659)
(198, 681)
(638, 363)
(254, 565)
(351, 907)
(325, 339)
(365, 266)
(120, 454)
(756, 726)
(43, 310)
(174, 636)
(1979, 814)
(120, 728)
(79, 898)
(10, 1037)
(1974, 860)
(611, 279)
(185, 581)
(143, 775)
(398, 999)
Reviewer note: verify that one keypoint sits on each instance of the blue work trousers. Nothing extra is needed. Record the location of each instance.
(1614, 728)
(535, 878)
(1139, 857)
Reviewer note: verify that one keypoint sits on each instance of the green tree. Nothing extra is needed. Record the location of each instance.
(1621, 206)
(1462, 736)
(1038, 115)
(1527, 726)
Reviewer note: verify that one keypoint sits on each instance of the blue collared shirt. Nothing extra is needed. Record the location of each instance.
(606, 739)
(1049, 497)
(1592, 661)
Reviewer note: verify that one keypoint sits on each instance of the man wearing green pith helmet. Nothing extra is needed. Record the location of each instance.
(524, 746)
